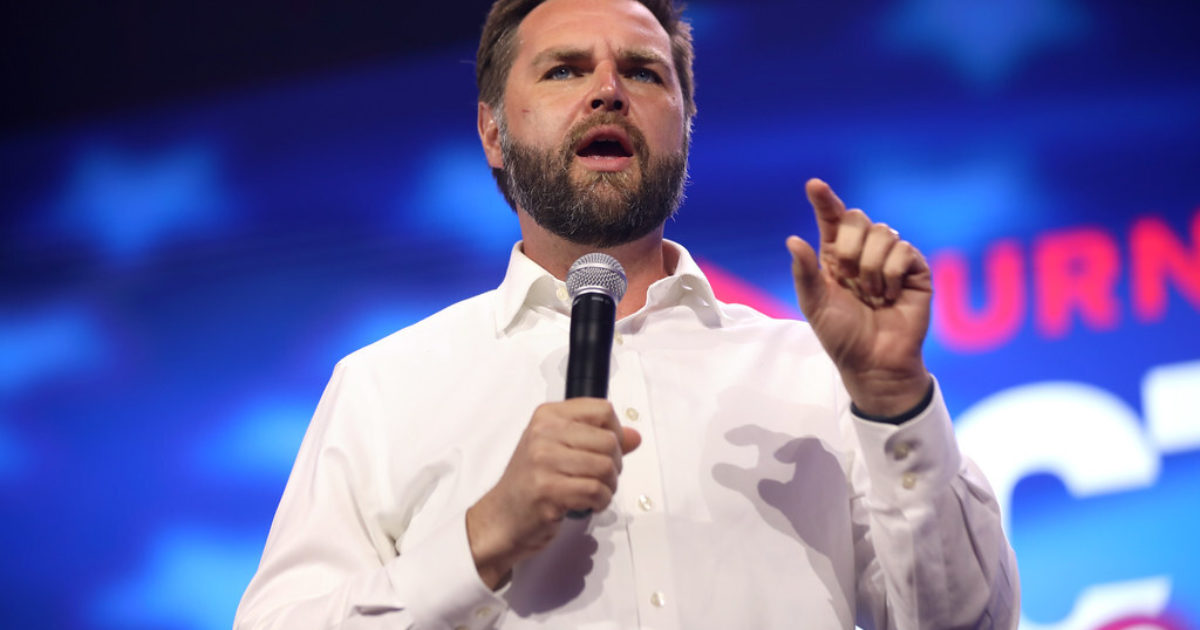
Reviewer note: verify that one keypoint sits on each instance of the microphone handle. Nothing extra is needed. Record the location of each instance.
(593, 317)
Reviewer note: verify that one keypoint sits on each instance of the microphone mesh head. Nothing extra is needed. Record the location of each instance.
(597, 273)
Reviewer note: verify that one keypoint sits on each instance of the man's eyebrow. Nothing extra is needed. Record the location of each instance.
(638, 56)
(643, 56)
(560, 54)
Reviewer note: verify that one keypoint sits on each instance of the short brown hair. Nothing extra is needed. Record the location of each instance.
(497, 47)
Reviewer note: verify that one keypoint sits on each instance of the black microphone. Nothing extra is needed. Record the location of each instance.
(596, 283)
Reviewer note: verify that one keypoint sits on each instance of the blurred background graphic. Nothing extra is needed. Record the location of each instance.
(205, 207)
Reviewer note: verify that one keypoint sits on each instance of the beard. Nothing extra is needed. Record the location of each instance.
(597, 209)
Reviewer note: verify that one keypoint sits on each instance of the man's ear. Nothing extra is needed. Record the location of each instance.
(489, 136)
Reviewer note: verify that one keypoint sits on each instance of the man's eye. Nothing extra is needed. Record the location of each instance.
(560, 72)
(645, 75)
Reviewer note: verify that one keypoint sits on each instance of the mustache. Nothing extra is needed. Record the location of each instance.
(581, 128)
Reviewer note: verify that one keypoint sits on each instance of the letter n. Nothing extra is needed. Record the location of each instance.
(1157, 255)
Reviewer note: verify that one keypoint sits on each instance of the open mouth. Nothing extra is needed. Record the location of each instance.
(605, 141)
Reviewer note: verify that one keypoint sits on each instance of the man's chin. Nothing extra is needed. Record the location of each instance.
(607, 183)
(608, 199)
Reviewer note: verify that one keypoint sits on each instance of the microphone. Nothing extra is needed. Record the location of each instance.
(596, 283)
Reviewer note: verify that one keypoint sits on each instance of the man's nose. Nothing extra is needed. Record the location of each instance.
(607, 93)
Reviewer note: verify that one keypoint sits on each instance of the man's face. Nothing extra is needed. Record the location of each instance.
(593, 134)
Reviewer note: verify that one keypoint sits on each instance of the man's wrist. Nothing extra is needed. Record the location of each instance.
(902, 417)
(490, 561)
(888, 395)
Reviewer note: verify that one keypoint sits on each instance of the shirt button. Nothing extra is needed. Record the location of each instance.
(632, 414)
(658, 599)
(901, 450)
(483, 612)
(645, 503)
(908, 481)
(562, 294)
(618, 337)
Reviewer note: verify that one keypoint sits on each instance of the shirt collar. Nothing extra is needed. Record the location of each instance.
(527, 285)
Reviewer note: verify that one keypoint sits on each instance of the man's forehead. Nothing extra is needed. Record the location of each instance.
(575, 25)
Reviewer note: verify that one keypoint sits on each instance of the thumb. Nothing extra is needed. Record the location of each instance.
(806, 272)
(630, 439)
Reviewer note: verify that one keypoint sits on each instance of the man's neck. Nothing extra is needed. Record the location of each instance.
(645, 260)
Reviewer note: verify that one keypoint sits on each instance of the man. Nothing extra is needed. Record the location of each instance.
(745, 473)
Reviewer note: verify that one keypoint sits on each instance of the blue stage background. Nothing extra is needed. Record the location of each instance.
(179, 281)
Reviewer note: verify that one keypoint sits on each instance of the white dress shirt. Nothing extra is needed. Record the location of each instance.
(756, 499)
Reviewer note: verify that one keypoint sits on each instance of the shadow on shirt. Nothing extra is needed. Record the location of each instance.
(556, 576)
(799, 488)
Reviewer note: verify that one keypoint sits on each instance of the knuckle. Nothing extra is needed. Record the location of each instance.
(904, 252)
(609, 442)
(538, 454)
(550, 513)
(540, 420)
(599, 494)
(608, 469)
(600, 410)
(542, 485)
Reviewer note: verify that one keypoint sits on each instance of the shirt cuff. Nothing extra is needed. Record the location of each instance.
(912, 461)
(446, 590)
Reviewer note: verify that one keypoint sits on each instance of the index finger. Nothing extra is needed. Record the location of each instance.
(597, 412)
(827, 208)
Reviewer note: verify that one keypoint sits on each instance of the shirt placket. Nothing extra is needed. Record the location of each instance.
(640, 494)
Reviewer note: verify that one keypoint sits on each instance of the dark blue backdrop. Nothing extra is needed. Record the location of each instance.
(178, 282)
